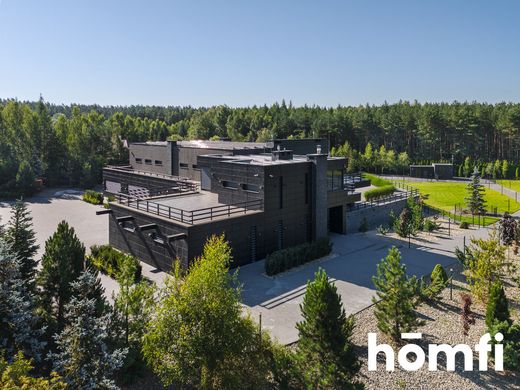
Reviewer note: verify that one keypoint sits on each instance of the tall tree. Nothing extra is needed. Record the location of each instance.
(20, 328)
(325, 354)
(475, 199)
(62, 263)
(397, 296)
(83, 356)
(198, 335)
(20, 236)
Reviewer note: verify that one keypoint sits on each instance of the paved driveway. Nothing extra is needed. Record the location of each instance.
(51, 206)
(351, 265)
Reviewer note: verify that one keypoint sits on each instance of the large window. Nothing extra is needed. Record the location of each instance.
(335, 179)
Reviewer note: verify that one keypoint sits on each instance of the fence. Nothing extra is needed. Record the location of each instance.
(475, 220)
(189, 216)
(398, 195)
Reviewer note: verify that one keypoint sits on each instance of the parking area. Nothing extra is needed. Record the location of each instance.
(350, 266)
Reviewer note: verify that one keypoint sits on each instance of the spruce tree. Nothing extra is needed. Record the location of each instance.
(62, 263)
(398, 296)
(497, 308)
(325, 355)
(20, 328)
(475, 199)
(20, 236)
(84, 358)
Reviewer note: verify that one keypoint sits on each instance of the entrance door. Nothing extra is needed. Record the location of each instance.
(336, 219)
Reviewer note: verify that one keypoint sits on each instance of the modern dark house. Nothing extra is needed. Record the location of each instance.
(437, 171)
(263, 197)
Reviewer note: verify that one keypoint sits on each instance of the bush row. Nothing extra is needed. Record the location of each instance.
(93, 197)
(376, 180)
(109, 260)
(379, 192)
(285, 259)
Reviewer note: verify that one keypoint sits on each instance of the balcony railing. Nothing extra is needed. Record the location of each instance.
(189, 217)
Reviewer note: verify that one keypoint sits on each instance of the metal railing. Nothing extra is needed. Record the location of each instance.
(398, 195)
(189, 216)
(130, 169)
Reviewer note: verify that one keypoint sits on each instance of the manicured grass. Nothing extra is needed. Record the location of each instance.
(377, 181)
(512, 184)
(446, 195)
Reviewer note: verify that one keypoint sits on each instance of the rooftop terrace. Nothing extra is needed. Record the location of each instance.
(190, 208)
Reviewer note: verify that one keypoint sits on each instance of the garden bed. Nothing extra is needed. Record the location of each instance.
(442, 325)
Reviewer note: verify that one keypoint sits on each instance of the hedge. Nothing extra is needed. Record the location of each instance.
(108, 260)
(379, 192)
(376, 180)
(93, 197)
(285, 259)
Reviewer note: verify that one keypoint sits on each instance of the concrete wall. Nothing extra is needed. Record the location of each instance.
(375, 216)
(154, 153)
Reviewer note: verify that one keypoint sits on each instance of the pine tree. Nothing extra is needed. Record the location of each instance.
(84, 359)
(325, 355)
(397, 294)
(62, 263)
(20, 236)
(20, 328)
(25, 178)
(475, 199)
(497, 306)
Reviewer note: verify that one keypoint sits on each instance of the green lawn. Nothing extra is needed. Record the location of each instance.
(446, 195)
(512, 184)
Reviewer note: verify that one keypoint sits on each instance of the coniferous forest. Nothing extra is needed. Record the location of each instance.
(69, 144)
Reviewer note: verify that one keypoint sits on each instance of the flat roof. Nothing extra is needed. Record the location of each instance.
(191, 202)
(263, 159)
(203, 144)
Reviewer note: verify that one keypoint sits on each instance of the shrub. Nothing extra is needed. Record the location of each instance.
(376, 180)
(430, 225)
(93, 197)
(382, 230)
(438, 281)
(285, 259)
(379, 192)
(497, 308)
(464, 225)
(109, 260)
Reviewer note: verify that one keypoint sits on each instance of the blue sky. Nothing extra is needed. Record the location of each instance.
(249, 52)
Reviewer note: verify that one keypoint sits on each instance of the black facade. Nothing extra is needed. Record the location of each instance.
(261, 201)
(435, 171)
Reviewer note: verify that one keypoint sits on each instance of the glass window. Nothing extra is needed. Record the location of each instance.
(138, 161)
(183, 165)
(251, 188)
(158, 162)
(148, 162)
(232, 185)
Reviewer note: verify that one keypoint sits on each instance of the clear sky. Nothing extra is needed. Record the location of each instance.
(245, 52)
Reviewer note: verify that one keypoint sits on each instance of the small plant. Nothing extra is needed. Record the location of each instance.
(93, 197)
(382, 230)
(464, 225)
(466, 314)
(430, 225)
(497, 308)
(363, 227)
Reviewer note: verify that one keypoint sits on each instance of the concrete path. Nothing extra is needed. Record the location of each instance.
(351, 265)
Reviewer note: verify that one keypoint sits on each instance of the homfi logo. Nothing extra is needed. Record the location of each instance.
(450, 352)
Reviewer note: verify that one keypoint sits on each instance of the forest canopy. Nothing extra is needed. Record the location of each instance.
(69, 144)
